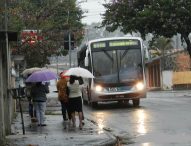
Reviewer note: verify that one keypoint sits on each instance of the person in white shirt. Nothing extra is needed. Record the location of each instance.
(75, 100)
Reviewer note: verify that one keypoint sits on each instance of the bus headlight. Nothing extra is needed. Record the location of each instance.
(98, 88)
(139, 86)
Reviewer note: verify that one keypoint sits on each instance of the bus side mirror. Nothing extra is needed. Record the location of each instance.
(86, 61)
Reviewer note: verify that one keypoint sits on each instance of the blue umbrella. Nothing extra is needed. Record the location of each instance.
(40, 76)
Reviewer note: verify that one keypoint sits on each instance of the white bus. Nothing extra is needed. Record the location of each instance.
(118, 66)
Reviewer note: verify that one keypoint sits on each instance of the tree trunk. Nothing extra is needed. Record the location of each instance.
(188, 43)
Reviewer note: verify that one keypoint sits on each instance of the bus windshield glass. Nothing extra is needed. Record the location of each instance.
(117, 64)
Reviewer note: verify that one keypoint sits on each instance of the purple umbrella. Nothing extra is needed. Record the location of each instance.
(43, 75)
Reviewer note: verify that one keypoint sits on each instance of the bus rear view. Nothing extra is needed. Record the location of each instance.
(118, 66)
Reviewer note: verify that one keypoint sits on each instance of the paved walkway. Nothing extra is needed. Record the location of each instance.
(58, 133)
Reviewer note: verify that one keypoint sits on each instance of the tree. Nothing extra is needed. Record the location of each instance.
(52, 19)
(159, 17)
(161, 43)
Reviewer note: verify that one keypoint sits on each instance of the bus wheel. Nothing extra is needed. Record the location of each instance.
(94, 104)
(136, 102)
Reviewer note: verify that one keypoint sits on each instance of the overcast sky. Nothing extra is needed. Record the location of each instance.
(94, 8)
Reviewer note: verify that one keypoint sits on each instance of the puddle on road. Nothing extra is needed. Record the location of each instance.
(123, 139)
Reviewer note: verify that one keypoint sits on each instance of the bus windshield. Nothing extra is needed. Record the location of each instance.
(117, 65)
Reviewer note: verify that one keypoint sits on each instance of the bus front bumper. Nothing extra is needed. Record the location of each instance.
(119, 96)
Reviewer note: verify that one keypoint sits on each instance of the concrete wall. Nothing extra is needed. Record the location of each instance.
(181, 77)
(2, 121)
(167, 80)
(6, 100)
(176, 80)
(5, 88)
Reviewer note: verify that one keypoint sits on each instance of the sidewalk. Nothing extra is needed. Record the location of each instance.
(58, 133)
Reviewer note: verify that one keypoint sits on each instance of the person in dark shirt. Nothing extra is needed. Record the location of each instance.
(38, 92)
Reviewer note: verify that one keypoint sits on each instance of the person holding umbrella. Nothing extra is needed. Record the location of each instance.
(26, 73)
(38, 92)
(62, 96)
(75, 100)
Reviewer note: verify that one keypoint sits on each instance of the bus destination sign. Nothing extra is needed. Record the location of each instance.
(99, 45)
(123, 43)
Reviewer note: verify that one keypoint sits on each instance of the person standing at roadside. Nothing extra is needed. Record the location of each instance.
(38, 92)
(75, 100)
(62, 96)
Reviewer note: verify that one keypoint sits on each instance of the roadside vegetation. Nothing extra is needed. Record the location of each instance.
(44, 27)
(159, 17)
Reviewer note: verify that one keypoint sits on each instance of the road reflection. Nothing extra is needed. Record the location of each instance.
(141, 123)
(100, 126)
(146, 144)
(100, 121)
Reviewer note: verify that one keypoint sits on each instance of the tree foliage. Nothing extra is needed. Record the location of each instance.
(162, 43)
(159, 17)
(52, 19)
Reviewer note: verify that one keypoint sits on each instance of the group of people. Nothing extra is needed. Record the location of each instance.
(70, 97)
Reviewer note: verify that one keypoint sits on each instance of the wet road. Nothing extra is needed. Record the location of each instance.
(161, 120)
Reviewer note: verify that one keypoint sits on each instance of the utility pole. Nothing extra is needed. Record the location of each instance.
(70, 53)
(7, 73)
(57, 62)
(69, 38)
(2, 81)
